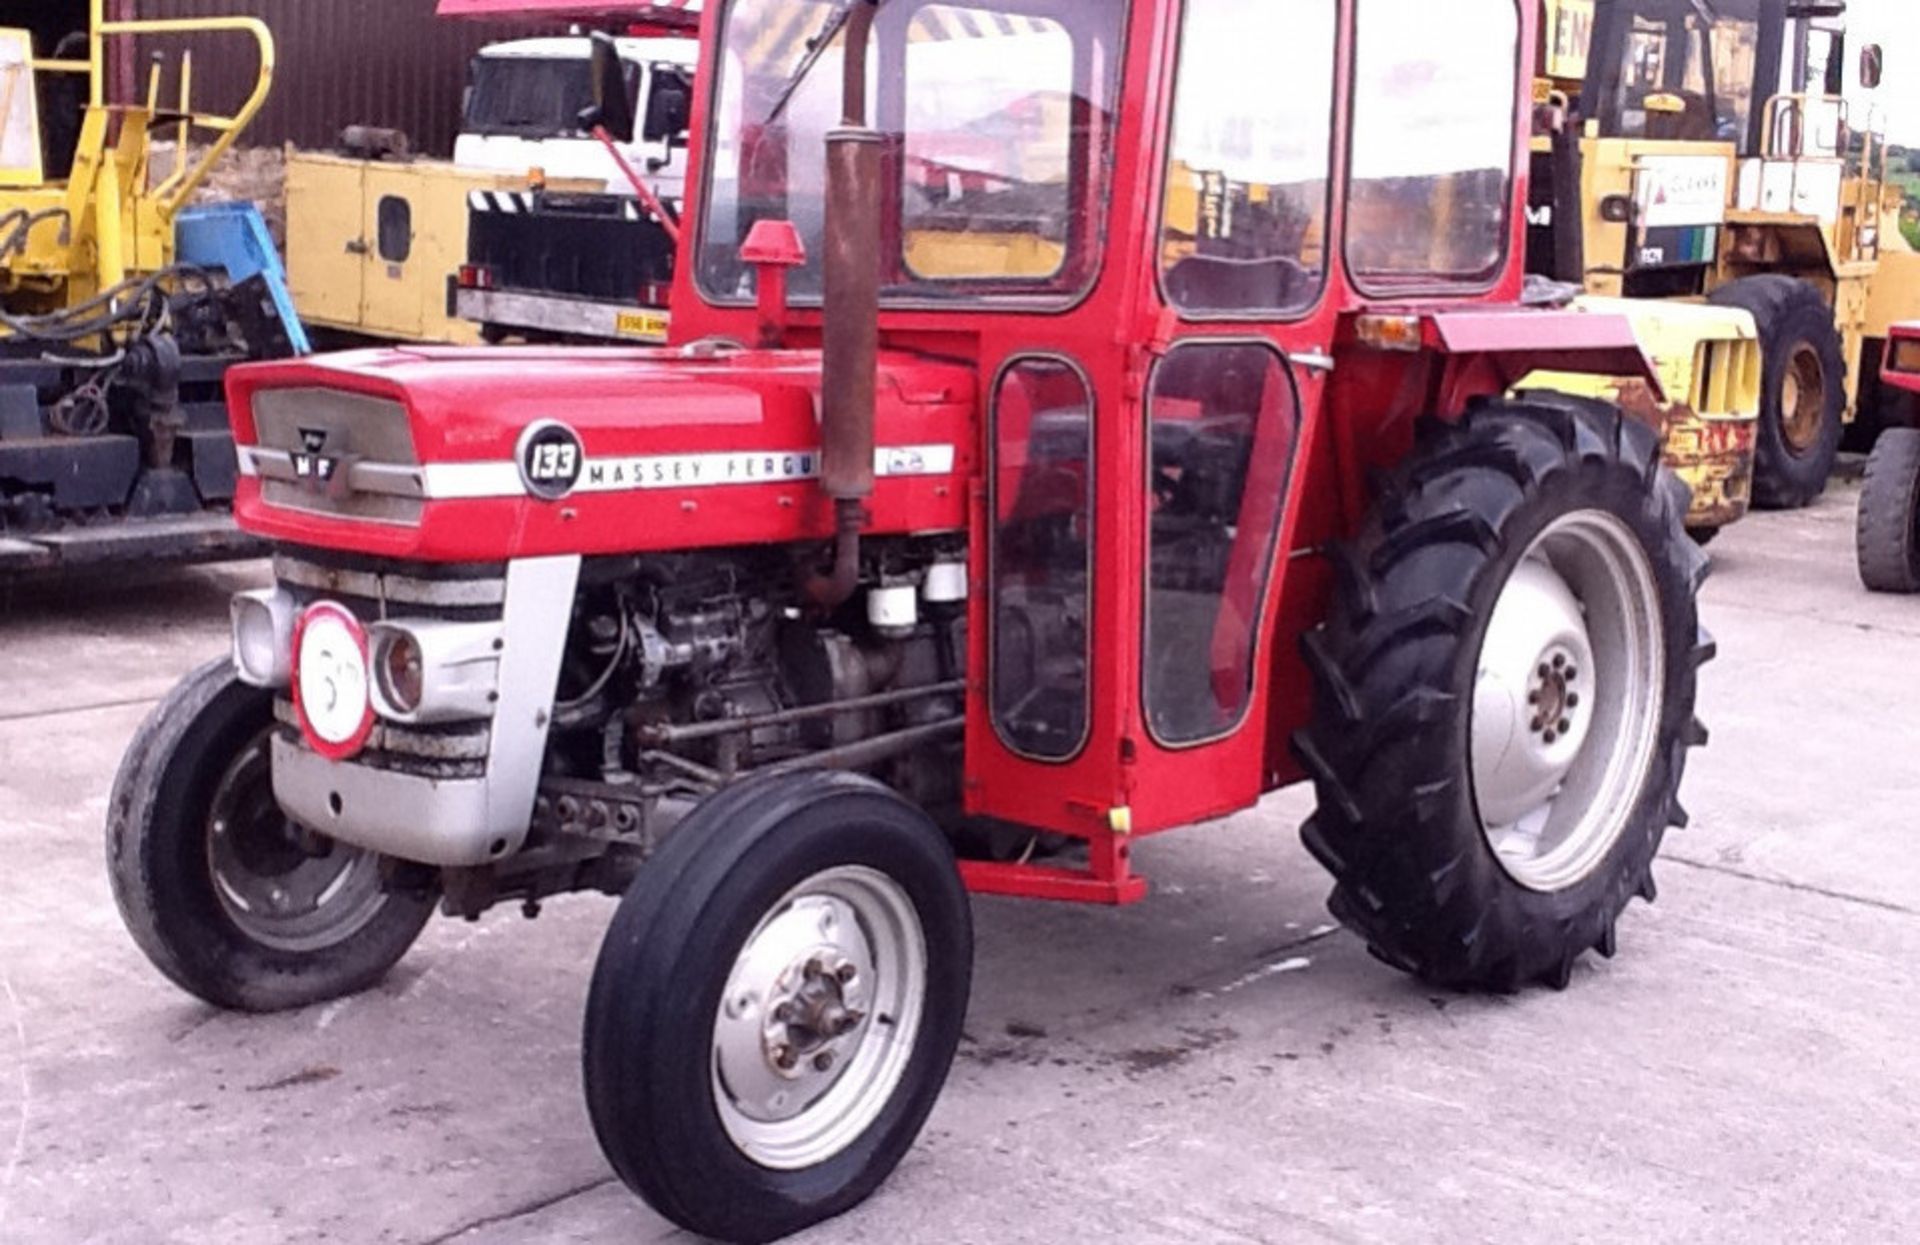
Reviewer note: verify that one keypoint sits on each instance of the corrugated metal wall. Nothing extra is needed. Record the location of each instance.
(341, 62)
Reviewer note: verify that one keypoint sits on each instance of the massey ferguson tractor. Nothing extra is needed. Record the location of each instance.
(973, 527)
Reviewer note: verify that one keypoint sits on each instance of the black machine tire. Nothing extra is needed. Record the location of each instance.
(1889, 526)
(161, 860)
(1795, 453)
(1397, 668)
(678, 944)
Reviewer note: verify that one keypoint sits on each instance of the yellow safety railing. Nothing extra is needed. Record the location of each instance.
(184, 179)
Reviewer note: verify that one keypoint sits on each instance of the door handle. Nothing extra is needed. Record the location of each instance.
(357, 247)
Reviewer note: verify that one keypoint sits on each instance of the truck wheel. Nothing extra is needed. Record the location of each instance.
(228, 898)
(1505, 695)
(1889, 534)
(1803, 392)
(777, 1003)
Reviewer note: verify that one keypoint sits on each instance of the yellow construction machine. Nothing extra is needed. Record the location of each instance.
(1705, 151)
(122, 303)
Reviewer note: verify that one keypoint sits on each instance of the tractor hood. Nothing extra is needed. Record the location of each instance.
(484, 455)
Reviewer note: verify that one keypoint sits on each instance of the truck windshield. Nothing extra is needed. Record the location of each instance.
(532, 96)
(998, 118)
(1697, 59)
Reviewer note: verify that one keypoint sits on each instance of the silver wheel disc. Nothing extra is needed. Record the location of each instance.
(1568, 701)
(819, 1017)
(283, 886)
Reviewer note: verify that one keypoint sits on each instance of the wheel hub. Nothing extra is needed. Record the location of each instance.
(811, 1016)
(283, 885)
(1567, 701)
(818, 1018)
(1803, 398)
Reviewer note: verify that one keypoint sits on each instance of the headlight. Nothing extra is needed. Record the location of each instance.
(330, 685)
(401, 670)
(427, 672)
(263, 637)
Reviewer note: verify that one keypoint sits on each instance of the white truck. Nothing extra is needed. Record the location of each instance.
(525, 97)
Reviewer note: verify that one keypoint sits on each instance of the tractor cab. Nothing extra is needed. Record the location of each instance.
(1059, 443)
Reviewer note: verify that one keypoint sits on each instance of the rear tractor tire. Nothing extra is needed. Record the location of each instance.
(230, 899)
(1505, 695)
(1889, 528)
(777, 1004)
(1803, 388)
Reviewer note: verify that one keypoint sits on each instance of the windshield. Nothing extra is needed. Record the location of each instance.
(532, 97)
(1697, 59)
(998, 118)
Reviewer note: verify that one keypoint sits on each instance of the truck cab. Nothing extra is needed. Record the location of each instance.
(524, 100)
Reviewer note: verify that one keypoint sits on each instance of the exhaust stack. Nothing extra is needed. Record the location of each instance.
(850, 340)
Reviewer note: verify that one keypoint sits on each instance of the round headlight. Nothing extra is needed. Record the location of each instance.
(402, 670)
(330, 689)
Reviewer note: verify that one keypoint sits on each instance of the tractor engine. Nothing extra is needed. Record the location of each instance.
(684, 672)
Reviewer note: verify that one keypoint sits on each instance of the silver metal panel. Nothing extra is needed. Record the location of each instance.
(432, 821)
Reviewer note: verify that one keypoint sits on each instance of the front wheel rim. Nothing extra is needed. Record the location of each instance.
(818, 1021)
(1803, 400)
(1568, 701)
(282, 886)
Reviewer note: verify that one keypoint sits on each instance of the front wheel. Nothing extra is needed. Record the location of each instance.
(1505, 695)
(777, 1004)
(230, 899)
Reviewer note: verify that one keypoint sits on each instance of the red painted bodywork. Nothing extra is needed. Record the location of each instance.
(664, 16)
(1902, 378)
(1352, 420)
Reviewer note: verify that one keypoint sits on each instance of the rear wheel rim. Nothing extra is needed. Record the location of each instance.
(818, 1021)
(1803, 399)
(281, 885)
(1568, 701)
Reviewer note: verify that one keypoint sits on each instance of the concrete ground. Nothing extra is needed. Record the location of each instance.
(1214, 1065)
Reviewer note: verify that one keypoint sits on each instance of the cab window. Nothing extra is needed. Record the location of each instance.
(1222, 421)
(1244, 223)
(987, 146)
(1433, 141)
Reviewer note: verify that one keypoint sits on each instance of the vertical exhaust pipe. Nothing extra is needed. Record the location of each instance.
(850, 341)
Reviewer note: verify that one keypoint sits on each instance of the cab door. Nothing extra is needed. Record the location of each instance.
(1244, 272)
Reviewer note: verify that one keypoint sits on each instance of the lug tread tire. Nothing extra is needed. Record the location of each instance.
(656, 990)
(1889, 523)
(156, 862)
(1788, 311)
(1388, 744)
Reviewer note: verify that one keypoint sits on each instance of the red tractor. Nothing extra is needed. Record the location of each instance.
(1889, 534)
(954, 545)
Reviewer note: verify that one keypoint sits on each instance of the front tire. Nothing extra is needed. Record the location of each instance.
(227, 897)
(1505, 694)
(1889, 523)
(777, 1004)
(1803, 390)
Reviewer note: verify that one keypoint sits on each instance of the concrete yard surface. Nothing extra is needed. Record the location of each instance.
(1216, 1064)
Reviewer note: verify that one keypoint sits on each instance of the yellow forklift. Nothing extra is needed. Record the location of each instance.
(1705, 151)
(122, 303)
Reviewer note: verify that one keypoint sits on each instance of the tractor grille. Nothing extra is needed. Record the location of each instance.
(376, 590)
(330, 452)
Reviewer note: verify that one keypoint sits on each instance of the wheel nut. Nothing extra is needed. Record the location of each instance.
(1551, 737)
(846, 974)
(1573, 700)
(823, 1062)
(785, 1058)
(784, 1013)
(1559, 662)
(1565, 726)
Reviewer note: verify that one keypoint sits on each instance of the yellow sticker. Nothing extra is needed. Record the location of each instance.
(649, 324)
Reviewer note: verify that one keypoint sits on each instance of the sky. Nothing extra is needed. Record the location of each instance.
(1895, 24)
